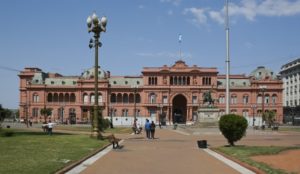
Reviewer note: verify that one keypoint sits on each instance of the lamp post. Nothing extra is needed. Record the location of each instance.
(134, 100)
(253, 110)
(263, 89)
(111, 114)
(161, 114)
(110, 108)
(62, 113)
(96, 26)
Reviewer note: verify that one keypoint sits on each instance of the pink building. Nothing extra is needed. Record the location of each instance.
(169, 93)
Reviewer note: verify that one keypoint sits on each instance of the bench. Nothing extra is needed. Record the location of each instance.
(115, 141)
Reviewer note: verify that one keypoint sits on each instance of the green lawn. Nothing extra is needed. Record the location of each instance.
(119, 130)
(294, 129)
(36, 152)
(243, 153)
(88, 129)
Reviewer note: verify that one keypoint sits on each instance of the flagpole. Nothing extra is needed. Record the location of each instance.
(227, 111)
(180, 40)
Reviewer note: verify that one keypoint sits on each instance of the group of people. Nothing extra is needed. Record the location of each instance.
(47, 127)
(149, 128)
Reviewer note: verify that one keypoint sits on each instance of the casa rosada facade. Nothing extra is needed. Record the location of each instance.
(168, 93)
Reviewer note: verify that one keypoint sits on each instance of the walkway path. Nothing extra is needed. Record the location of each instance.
(171, 153)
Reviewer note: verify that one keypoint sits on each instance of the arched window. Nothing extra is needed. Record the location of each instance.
(233, 99)
(188, 80)
(175, 80)
(125, 112)
(49, 98)
(61, 97)
(222, 99)
(233, 111)
(55, 97)
(171, 80)
(92, 98)
(245, 113)
(149, 80)
(259, 99)
(36, 98)
(114, 112)
(67, 97)
(152, 98)
(179, 80)
(137, 98)
(119, 98)
(131, 98)
(155, 80)
(184, 80)
(72, 98)
(85, 98)
(267, 98)
(113, 98)
(245, 99)
(100, 98)
(125, 98)
(274, 98)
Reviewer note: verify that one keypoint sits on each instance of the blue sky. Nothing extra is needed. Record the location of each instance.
(52, 35)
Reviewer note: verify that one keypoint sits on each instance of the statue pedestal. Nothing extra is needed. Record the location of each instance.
(210, 115)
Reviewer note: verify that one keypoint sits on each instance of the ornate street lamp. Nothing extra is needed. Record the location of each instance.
(134, 100)
(263, 89)
(253, 112)
(96, 26)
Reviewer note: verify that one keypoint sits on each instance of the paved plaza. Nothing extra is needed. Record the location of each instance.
(176, 151)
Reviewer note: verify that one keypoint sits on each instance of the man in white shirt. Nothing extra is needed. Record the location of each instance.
(50, 127)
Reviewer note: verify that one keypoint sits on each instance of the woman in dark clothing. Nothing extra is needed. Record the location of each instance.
(152, 129)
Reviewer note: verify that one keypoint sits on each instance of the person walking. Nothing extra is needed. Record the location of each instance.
(147, 128)
(50, 127)
(152, 129)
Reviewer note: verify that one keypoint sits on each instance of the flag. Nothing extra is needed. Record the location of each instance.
(180, 38)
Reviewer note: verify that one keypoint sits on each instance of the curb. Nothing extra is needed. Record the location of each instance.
(254, 169)
(76, 163)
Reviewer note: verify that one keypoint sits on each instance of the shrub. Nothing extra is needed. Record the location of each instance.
(233, 127)
(7, 133)
(104, 123)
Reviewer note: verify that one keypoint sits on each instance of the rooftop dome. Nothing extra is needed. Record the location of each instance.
(90, 73)
(262, 73)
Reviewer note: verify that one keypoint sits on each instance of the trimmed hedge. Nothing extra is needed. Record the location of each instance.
(233, 127)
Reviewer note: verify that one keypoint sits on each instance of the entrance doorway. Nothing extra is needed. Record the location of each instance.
(179, 112)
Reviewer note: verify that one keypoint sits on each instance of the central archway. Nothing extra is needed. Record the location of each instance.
(179, 109)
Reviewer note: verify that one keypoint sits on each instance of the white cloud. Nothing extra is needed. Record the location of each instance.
(174, 2)
(248, 9)
(198, 13)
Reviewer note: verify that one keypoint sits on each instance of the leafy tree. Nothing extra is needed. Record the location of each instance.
(46, 112)
(269, 117)
(233, 127)
(4, 113)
